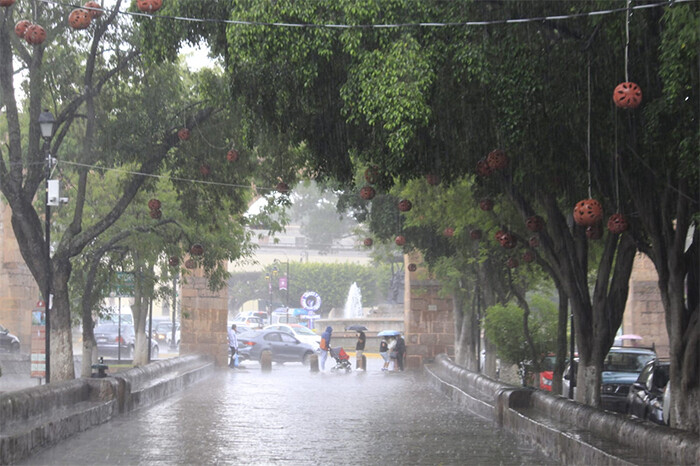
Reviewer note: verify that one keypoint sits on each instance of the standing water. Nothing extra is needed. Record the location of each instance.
(353, 303)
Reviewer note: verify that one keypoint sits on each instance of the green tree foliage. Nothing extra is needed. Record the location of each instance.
(503, 325)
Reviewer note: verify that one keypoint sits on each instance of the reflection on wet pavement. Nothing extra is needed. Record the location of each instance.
(290, 416)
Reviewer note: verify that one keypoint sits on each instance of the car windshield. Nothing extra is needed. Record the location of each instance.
(165, 327)
(114, 328)
(301, 330)
(626, 362)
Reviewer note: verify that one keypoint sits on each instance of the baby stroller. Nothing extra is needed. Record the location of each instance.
(342, 360)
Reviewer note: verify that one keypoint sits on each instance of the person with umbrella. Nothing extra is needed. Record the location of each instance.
(325, 346)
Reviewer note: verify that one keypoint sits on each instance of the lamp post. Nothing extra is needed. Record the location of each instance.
(46, 125)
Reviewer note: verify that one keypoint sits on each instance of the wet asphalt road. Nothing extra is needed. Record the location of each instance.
(293, 417)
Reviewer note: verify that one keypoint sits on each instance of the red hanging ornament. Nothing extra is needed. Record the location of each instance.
(412, 267)
(588, 212)
(627, 95)
(449, 232)
(483, 168)
(282, 187)
(149, 6)
(197, 249)
(497, 159)
(232, 155)
(432, 179)
(94, 9)
(79, 19)
(534, 223)
(486, 204)
(7, 2)
(154, 204)
(21, 28)
(368, 242)
(400, 240)
(534, 241)
(367, 193)
(190, 264)
(508, 241)
(512, 263)
(499, 235)
(184, 134)
(205, 169)
(405, 205)
(35, 34)
(156, 214)
(617, 223)
(528, 256)
(594, 231)
(372, 175)
(174, 261)
(476, 234)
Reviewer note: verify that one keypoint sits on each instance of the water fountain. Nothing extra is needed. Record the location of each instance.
(353, 303)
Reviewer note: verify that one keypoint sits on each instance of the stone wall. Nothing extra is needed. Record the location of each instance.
(19, 292)
(204, 319)
(428, 318)
(564, 429)
(37, 417)
(644, 314)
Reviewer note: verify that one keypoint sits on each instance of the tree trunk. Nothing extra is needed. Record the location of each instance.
(62, 367)
(560, 365)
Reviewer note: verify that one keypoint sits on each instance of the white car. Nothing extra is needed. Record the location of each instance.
(301, 333)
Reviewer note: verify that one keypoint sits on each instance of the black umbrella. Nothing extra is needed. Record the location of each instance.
(356, 327)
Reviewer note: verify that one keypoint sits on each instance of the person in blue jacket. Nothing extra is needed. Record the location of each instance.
(325, 345)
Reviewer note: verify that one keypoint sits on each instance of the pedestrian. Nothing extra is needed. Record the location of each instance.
(400, 351)
(384, 353)
(233, 347)
(359, 349)
(325, 345)
(392, 353)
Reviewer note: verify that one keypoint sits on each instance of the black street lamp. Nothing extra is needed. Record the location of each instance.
(46, 124)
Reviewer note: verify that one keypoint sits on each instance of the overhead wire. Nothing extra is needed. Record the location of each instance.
(388, 25)
(165, 177)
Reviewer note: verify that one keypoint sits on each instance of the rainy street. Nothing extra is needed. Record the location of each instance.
(290, 416)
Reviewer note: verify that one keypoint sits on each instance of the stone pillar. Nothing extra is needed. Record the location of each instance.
(204, 319)
(19, 292)
(428, 318)
(644, 312)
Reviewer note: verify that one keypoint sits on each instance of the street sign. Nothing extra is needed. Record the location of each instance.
(38, 344)
(124, 286)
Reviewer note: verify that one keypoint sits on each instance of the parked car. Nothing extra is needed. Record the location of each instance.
(163, 334)
(8, 342)
(646, 396)
(281, 346)
(112, 344)
(299, 332)
(249, 321)
(621, 368)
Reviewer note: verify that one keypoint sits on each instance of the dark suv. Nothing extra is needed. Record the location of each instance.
(646, 396)
(621, 368)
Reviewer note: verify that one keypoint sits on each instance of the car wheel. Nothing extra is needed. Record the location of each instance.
(154, 352)
(306, 359)
(14, 348)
